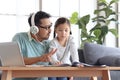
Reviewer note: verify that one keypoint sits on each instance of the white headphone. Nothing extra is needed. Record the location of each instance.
(33, 29)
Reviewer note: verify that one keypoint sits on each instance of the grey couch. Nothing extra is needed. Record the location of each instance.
(98, 55)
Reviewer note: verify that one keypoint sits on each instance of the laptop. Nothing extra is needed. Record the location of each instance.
(10, 54)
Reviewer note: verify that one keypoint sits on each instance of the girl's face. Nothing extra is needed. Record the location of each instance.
(62, 31)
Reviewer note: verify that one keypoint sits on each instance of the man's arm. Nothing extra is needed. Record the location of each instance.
(44, 58)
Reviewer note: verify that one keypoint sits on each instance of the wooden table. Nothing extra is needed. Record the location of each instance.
(37, 71)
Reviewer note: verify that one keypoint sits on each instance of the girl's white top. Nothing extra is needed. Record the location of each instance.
(62, 55)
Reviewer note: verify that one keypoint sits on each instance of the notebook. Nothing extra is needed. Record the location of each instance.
(10, 54)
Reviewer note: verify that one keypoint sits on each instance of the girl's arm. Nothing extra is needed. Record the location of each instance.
(73, 50)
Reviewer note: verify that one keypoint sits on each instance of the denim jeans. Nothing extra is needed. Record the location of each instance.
(57, 78)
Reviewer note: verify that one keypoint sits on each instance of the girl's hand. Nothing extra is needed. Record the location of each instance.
(58, 63)
(70, 78)
(81, 65)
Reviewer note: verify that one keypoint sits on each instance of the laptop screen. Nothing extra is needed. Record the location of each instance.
(10, 54)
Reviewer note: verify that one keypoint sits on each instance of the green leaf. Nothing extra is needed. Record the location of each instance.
(102, 4)
(74, 18)
(96, 11)
(112, 19)
(84, 33)
(102, 1)
(83, 21)
(95, 18)
(113, 13)
(113, 1)
(97, 26)
(104, 30)
(108, 12)
(97, 32)
(100, 20)
(114, 32)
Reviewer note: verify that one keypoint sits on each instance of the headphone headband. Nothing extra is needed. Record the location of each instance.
(33, 29)
(33, 19)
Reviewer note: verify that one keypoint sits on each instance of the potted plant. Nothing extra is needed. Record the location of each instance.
(98, 32)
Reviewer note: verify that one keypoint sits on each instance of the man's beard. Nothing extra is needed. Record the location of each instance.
(43, 37)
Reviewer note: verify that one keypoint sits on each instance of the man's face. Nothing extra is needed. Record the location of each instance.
(44, 29)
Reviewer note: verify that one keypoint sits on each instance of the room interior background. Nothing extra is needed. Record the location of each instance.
(14, 15)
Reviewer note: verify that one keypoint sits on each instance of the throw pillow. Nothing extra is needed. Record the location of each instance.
(92, 52)
(110, 60)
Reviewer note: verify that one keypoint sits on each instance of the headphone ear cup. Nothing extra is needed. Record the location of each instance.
(34, 30)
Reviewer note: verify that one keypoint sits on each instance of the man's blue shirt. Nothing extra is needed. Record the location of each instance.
(29, 47)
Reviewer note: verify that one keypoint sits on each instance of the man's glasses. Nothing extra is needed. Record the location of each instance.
(46, 27)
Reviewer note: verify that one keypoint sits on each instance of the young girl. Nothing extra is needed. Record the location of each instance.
(64, 43)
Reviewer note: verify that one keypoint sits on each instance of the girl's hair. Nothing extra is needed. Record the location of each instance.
(59, 21)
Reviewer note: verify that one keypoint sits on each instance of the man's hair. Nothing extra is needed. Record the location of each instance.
(38, 16)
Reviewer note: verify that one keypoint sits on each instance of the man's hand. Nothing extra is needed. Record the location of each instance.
(44, 58)
(47, 57)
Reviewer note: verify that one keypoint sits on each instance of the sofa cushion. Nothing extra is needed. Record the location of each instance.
(92, 52)
(110, 60)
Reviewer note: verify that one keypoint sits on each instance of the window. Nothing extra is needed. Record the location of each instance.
(14, 15)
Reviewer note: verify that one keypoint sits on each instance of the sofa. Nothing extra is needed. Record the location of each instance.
(97, 54)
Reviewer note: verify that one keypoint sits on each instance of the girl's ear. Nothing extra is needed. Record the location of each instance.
(54, 34)
(70, 33)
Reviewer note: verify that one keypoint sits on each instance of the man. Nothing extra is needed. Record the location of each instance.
(34, 44)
